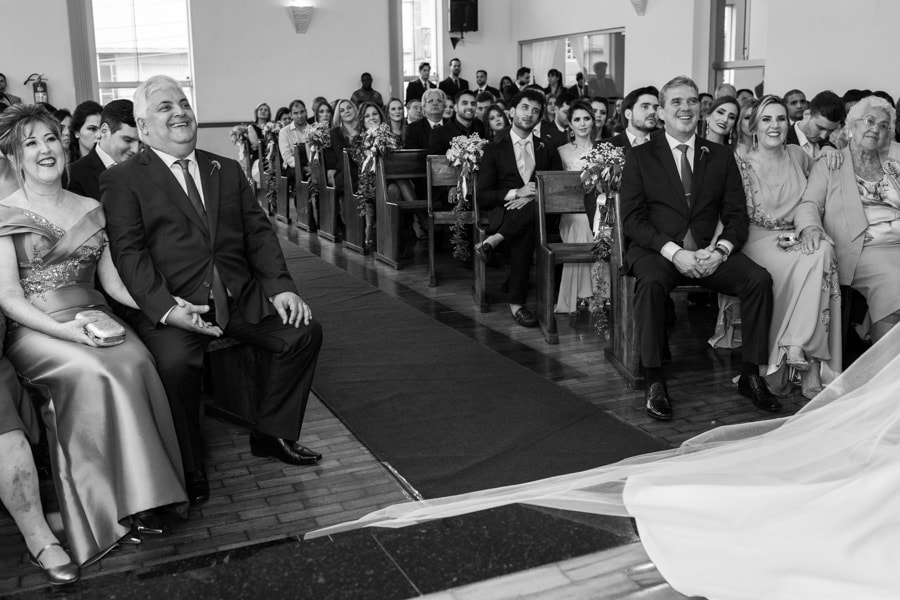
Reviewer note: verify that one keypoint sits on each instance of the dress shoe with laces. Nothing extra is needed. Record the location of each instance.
(197, 487)
(61, 575)
(658, 404)
(263, 445)
(307, 452)
(524, 317)
(753, 387)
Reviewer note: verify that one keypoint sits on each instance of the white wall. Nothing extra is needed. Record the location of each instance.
(492, 48)
(35, 39)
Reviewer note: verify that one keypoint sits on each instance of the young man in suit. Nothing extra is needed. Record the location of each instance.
(454, 84)
(506, 189)
(674, 191)
(481, 85)
(118, 142)
(463, 122)
(556, 133)
(417, 87)
(826, 112)
(184, 223)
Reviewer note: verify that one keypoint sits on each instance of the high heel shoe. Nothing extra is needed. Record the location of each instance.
(61, 575)
(796, 359)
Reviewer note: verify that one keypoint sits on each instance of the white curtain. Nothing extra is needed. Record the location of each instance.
(542, 55)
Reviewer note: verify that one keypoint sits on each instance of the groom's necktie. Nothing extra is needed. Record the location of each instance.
(687, 182)
(219, 293)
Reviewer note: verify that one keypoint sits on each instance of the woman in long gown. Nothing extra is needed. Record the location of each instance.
(800, 507)
(575, 286)
(805, 332)
(113, 448)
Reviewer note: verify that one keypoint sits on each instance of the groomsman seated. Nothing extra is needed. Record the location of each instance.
(675, 189)
(506, 189)
(118, 142)
(463, 122)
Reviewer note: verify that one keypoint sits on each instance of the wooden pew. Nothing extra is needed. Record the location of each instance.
(556, 193)
(261, 188)
(354, 223)
(282, 204)
(247, 163)
(305, 216)
(442, 174)
(399, 164)
(622, 350)
(329, 224)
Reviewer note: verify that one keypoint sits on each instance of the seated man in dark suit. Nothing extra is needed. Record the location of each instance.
(675, 190)
(454, 83)
(556, 133)
(463, 123)
(825, 113)
(506, 188)
(418, 133)
(417, 87)
(118, 142)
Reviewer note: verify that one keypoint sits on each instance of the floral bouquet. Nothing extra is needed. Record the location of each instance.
(271, 131)
(375, 142)
(238, 135)
(318, 136)
(465, 154)
(602, 172)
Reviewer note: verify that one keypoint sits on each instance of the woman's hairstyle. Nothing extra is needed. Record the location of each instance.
(316, 105)
(61, 114)
(256, 111)
(284, 110)
(84, 110)
(868, 104)
(743, 138)
(761, 105)
(732, 137)
(388, 107)
(505, 81)
(585, 105)
(488, 132)
(336, 120)
(361, 115)
(14, 123)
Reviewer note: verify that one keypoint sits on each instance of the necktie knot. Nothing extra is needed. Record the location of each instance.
(184, 163)
(683, 148)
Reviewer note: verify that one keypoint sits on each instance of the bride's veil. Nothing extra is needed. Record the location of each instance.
(851, 426)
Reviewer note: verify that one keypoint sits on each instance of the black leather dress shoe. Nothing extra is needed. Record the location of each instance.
(485, 251)
(197, 487)
(658, 404)
(525, 317)
(306, 452)
(753, 387)
(265, 445)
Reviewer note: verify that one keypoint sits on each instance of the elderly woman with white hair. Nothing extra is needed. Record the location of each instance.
(858, 206)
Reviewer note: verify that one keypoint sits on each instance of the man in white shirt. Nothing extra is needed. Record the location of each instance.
(675, 190)
(118, 142)
(481, 85)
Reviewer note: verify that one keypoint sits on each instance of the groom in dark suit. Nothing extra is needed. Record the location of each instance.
(184, 224)
(675, 188)
(506, 189)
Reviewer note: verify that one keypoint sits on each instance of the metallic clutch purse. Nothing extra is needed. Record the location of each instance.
(105, 331)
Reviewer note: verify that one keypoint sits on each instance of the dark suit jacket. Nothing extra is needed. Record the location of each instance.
(451, 89)
(163, 248)
(793, 139)
(654, 207)
(439, 140)
(84, 175)
(415, 89)
(585, 92)
(491, 90)
(498, 173)
(418, 134)
(552, 136)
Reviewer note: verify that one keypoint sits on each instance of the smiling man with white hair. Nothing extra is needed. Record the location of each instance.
(184, 223)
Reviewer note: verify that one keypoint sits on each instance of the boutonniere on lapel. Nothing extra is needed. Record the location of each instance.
(540, 145)
(216, 166)
(703, 151)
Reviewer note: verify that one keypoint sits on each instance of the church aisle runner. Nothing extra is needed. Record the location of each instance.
(448, 414)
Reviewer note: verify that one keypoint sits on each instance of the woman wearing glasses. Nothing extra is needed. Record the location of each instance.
(858, 206)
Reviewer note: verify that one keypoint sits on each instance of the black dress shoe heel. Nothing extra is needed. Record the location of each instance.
(61, 575)
(659, 406)
(754, 388)
(197, 487)
(287, 451)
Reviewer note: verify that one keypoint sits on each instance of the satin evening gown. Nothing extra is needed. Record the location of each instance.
(112, 442)
(574, 228)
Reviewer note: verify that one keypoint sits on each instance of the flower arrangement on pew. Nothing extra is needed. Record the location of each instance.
(318, 136)
(271, 131)
(602, 173)
(375, 142)
(238, 137)
(465, 154)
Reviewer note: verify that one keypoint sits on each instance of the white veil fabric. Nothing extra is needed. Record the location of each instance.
(797, 507)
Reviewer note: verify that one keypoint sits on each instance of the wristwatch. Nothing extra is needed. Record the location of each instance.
(723, 251)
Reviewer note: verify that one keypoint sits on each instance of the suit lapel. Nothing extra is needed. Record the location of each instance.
(209, 178)
(700, 160)
(161, 176)
(507, 156)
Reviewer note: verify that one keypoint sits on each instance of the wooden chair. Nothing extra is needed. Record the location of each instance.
(399, 164)
(441, 174)
(304, 217)
(354, 223)
(329, 224)
(622, 350)
(557, 193)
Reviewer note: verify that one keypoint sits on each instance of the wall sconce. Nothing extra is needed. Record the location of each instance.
(640, 6)
(300, 17)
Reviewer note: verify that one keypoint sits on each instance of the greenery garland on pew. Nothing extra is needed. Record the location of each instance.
(465, 154)
(602, 174)
(271, 131)
(318, 137)
(375, 142)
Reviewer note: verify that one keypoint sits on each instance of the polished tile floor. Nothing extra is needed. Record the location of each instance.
(256, 501)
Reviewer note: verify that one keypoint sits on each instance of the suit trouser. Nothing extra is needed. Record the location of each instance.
(518, 230)
(179, 360)
(738, 276)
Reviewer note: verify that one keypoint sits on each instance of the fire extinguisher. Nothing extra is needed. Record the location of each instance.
(40, 88)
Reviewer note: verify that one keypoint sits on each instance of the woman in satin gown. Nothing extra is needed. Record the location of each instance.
(113, 448)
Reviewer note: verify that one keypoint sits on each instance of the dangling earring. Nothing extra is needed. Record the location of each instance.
(755, 142)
